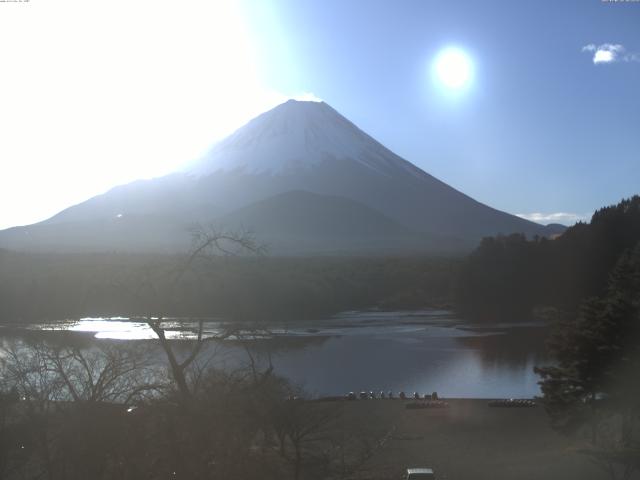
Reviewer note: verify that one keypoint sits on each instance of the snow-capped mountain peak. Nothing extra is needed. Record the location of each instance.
(295, 136)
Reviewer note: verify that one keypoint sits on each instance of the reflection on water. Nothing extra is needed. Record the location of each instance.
(514, 348)
(412, 351)
(120, 328)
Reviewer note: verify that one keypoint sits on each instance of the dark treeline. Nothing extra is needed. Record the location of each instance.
(507, 277)
(592, 391)
(36, 287)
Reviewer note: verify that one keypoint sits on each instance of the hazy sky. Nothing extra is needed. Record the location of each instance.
(96, 93)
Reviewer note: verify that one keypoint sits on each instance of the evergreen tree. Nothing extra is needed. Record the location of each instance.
(593, 391)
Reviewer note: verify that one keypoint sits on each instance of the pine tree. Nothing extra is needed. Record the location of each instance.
(593, 390)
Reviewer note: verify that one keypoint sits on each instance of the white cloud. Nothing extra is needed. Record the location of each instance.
(604, 56)
(557, 217)
(607, 53)
(307, 97)
(610, 53)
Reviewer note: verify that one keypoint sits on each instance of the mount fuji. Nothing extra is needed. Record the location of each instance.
(303, 178)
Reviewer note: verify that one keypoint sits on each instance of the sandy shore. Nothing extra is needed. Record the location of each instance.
(470, 441)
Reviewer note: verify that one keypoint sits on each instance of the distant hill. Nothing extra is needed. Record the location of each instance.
(555, 229)
(295, 147)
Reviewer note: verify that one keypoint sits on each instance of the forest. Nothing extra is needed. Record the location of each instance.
(38, 287)
(514, 278)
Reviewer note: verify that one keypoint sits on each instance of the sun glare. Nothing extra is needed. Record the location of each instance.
(453, 69)
(129, 92)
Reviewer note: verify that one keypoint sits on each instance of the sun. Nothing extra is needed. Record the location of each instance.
(453, 68)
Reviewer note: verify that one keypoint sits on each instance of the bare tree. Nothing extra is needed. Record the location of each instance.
(302, 427)
(207, 243)
(45, 373)
(72, 409)
(10, 431)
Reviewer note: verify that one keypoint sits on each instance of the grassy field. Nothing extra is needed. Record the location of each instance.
(470, 441)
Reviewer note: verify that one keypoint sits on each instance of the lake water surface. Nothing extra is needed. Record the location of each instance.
(424, 351)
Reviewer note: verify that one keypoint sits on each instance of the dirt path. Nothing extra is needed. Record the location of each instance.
(470, 441)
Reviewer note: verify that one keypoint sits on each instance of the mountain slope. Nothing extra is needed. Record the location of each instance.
(302, 222)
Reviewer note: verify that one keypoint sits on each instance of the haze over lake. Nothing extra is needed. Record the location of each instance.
(423, 351)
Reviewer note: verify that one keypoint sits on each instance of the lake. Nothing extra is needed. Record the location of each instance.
(423, 351)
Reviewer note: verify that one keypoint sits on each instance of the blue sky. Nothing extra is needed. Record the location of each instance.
(542, 128)
(95, 94)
